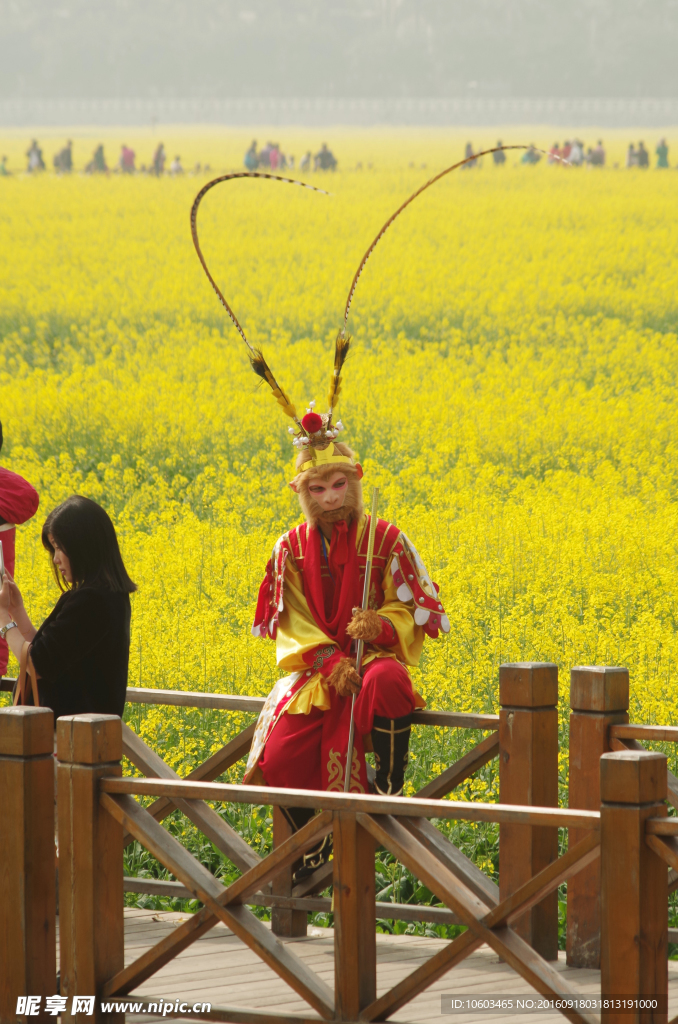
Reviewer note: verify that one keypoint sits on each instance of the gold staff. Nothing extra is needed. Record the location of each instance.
(361, 643)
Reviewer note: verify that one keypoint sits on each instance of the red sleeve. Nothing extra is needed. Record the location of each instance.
(388, 636)
(18, 499)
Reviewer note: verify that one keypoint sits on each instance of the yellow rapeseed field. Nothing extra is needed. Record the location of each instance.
(511, 390)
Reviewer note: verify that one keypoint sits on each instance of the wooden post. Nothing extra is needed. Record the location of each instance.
(634, 884)
(528, 774)
(599, 698)
(90, 861)
(355, 919)
(27, 859)
(286, 923)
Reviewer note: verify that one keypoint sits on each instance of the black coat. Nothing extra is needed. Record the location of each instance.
(81, 653)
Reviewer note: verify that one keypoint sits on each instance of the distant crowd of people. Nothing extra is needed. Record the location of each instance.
(576, 154)
(271, 158)
(126, 162)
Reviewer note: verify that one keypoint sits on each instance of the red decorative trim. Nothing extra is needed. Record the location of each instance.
(428, 612)
(270, 600)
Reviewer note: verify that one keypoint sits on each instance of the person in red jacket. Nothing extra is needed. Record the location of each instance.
(18, 503)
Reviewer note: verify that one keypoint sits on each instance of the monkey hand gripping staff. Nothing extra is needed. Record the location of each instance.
(311, 604)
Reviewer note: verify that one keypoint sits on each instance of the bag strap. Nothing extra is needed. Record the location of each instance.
(26, 669)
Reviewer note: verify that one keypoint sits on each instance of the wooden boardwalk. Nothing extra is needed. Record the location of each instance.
(218, 968)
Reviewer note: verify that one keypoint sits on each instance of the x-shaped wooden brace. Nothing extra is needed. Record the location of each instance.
(203, 817)
(434, 790)
(421, 854)
(220, 904)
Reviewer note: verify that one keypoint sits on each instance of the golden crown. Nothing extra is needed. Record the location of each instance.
(317, 435)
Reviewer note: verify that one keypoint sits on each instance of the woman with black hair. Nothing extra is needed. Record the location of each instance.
(81, 651)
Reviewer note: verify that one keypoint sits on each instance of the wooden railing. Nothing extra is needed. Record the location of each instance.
(96, 808)
(599, 723)
(620, 843)
(290, 906)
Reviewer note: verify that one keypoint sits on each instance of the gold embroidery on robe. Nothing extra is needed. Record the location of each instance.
(335, 773)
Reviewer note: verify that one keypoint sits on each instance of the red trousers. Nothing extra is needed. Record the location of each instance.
(309, 751)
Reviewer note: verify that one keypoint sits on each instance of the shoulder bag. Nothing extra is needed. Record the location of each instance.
(27, 676)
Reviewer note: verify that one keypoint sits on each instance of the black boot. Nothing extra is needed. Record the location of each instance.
(390, 742)
(313, 859)
(318, 854)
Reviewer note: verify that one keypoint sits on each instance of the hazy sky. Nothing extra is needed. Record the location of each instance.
(343, 48)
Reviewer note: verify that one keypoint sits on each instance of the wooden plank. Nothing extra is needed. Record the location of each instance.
(27, 858)
(234, 702)
(208, 890)
(634, 878)
(455, 719)
(661, 826)
(452, 857)
(556, 817)
(205, 818)
(193, 699)
(663, 733)
(285, 921)
(91, 926)
(461, 769)
(307, 904)
(418, 980)
(667, 848)
(526, 961)
(355, 949)
(210, 769)
(528, 774)
(7, 685)
(146, 965)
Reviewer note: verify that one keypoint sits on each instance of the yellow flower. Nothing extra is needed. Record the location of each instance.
(511, 389)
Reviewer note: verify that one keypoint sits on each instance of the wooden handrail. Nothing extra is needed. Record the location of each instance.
(661, 826)
(663, 733)
(561, 817)
(234, 702)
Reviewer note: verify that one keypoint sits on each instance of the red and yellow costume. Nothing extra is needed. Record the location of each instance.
(310, 599)
(305, 603)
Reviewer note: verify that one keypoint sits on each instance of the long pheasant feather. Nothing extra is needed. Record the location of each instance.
(431, 181)
(262, 369)
(259, 364)
(341, 347)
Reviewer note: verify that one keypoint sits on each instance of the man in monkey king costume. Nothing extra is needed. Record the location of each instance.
(310, 604)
